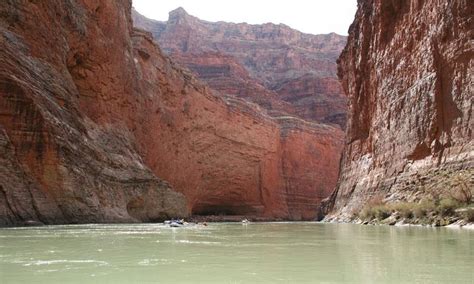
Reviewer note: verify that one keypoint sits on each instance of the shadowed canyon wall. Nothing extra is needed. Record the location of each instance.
(68, 89)
(408, 72)
(94, 118)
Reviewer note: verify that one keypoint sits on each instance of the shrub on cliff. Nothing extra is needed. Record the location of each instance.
(469, 215)
(375, 209)
(378, 212)
(406, 209)
(461, 191)
(447, 206)
(422, 209)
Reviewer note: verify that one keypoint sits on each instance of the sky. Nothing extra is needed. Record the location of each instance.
(308, 16)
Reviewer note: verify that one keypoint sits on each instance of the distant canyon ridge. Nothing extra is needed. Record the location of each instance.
(284, 71)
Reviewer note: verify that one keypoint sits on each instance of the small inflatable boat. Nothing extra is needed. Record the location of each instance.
(176, 224)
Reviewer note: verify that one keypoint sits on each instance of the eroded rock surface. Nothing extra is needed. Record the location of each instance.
(225, 154)
(272, 65)
(408, 72)
(68, 153)
(93, 116)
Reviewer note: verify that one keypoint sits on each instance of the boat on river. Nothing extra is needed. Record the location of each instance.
(175, 223)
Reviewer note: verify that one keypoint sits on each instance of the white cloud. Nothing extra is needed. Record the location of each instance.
(309, 16)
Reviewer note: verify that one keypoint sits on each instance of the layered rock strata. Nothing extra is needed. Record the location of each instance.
(94, 118)
(408, 71)
(67, 83)
(274, 64)
(225, 154)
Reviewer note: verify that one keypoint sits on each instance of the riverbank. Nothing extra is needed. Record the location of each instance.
(437, 210)
(406, 215)
(461, 224)
(392, 219)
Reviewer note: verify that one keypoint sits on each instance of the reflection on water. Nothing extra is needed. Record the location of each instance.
(234, 253)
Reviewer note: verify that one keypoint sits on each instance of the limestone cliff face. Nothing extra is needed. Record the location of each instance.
(276, 58)
(93, 115)
(408, 71)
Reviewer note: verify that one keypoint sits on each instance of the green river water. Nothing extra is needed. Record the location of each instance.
(236, 253)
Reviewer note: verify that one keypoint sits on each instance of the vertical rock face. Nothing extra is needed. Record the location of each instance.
(68, 155)
(92, 115)
(280, 63)
(225, 154)
(408, 71)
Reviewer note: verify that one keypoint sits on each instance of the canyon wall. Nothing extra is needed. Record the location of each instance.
(225, 154)
(408, 72)
(283, 70)
(94, 117)
(67, 94)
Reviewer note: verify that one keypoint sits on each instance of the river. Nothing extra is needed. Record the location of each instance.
(236, 253)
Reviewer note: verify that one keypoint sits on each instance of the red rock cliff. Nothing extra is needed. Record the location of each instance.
(68, 98)
(92, 113)
(408, 71)
(225, 154)
(279, 61)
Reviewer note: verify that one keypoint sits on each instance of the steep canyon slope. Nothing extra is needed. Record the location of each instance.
(68, 96)
(281, 69)
(94, 117)
(408, 71)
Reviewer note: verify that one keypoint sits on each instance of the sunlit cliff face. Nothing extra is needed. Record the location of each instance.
(407, 70)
